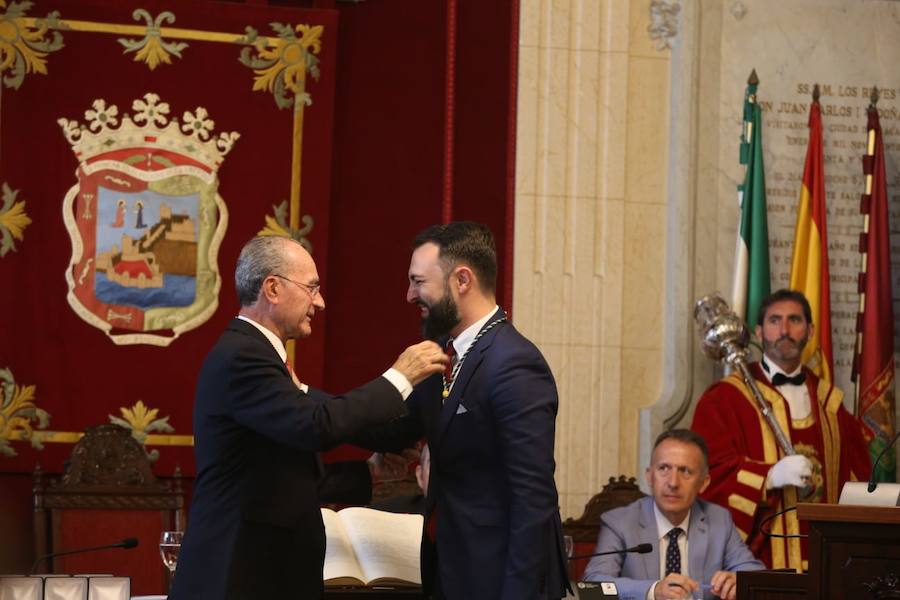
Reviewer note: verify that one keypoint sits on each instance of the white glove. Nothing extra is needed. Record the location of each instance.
(790, 470)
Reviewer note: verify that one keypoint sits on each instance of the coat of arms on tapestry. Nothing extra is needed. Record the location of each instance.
(145, 219)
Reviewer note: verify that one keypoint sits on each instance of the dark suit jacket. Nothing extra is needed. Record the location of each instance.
(713, 545)
(491, 488)
(254, 529)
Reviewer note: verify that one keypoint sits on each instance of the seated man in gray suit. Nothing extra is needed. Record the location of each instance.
(677, 524)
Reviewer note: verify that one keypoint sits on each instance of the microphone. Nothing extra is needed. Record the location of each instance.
(640, 549)
(872, 483)
(126, 544)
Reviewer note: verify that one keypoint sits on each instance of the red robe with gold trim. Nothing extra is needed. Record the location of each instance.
(742, 449)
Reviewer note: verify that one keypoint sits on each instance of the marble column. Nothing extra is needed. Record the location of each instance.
(591, 223)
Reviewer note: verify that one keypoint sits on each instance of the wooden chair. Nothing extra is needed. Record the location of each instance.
(108, 493)
(585, 529)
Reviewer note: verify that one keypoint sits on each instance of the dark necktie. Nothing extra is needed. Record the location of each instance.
(782, 379)
(673, 554)
(451, 354)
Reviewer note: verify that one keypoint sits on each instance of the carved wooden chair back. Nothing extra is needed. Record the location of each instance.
(108, 493)
(585, 529)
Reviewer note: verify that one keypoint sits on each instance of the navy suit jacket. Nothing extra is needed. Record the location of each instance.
(255, 529)
(713, 545)
(491, 488)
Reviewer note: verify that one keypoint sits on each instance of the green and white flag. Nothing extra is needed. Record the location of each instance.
(752, 282)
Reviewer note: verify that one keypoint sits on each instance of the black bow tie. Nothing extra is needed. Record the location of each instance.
(781, 379)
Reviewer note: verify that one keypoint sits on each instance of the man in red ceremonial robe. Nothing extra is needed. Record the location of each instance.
(751, 476)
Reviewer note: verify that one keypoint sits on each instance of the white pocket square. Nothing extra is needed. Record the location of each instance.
(461, 410)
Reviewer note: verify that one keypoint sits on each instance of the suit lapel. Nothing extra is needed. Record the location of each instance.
(649, 534)
(698, 542)
(469, 367)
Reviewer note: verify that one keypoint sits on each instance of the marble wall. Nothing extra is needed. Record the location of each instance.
(591, 223)
(626, 208)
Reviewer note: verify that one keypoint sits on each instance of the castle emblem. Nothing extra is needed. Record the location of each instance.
(145, 219)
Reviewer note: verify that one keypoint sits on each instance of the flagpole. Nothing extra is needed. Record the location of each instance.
(863, 256)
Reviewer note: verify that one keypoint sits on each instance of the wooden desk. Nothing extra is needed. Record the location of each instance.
(772, 585)
(854, 551)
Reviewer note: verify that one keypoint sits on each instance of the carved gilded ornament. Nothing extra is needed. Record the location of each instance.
(17, 413)
(13, 220)
(142, 421)
(152, 50)
(24, 48)
(281, 67)
(277, 224)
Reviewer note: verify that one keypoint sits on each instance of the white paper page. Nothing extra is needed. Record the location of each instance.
(339, 558)
(68, 588)
(387, 544)
(20, 588)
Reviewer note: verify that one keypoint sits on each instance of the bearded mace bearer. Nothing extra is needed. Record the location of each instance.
(724, 337)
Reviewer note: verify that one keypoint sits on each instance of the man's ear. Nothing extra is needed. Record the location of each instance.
(270, 289)
(706, 480)
(464, 278)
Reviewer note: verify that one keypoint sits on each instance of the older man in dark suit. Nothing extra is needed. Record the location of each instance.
(255, 529)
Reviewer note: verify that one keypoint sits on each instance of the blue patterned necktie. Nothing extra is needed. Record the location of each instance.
(673, 554)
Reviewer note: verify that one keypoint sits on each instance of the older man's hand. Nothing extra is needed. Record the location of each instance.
(421, 360)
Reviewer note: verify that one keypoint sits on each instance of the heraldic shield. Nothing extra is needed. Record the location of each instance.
(146, 220)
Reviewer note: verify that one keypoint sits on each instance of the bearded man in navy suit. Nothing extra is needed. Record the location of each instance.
(255, 529)
(492, 518)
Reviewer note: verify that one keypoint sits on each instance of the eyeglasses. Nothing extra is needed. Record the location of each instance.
(313, 290)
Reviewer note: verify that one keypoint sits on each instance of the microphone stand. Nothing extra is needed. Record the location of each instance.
(125, 544)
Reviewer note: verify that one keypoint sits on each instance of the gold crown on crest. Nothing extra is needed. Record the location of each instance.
(150, 127)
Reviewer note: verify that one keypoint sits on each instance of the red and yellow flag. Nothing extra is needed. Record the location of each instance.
(873, 361)
(809, 264)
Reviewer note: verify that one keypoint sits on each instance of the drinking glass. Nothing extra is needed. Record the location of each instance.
(169, 545)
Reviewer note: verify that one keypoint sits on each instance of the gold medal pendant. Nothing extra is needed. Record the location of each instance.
(445, 393)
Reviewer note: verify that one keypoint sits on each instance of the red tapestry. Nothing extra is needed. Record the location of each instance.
(140, 146)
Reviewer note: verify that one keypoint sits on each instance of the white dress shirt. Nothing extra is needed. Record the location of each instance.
(797, 396)
(663, 527)
(462, 342)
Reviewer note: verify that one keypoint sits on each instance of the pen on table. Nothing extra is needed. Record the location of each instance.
(703, 586)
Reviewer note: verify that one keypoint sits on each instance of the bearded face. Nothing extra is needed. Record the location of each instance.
(784, 333)
(440, 317)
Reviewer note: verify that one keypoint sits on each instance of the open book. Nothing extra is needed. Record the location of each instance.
(371, 547)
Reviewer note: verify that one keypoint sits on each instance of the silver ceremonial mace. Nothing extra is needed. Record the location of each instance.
(724, 337)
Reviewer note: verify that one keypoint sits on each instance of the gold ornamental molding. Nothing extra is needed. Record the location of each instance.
(13, 220)
(25, 42)
(19, 414)
(278, 224)
(152, 49)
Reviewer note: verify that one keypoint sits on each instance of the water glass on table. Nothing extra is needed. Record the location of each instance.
(169, 545)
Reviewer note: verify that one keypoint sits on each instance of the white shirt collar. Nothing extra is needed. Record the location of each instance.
(773, 368)
(663, 525)
(462, 342)
(273, 339)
